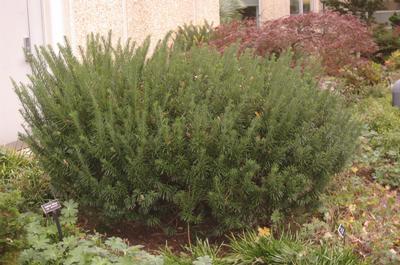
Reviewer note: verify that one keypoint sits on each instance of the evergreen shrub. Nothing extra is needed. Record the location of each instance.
(191, 136)
(388, 41)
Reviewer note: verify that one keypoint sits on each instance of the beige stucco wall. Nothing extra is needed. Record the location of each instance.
(273, 9)
(317, 6)
(137, 19)
(98, 16)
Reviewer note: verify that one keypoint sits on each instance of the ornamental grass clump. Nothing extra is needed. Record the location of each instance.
(183, 136)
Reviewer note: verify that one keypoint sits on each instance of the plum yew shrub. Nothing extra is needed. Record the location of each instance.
(339, 40)
(193, 136)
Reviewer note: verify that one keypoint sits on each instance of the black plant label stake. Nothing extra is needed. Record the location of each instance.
(342, 232)
(52, 208)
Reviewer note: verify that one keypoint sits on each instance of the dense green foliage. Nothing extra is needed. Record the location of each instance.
(395, 19)
(22, 172)
(197, 136)
(388, 41)
(11, 226)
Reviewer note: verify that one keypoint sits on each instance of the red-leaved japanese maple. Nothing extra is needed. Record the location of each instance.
(339, 40)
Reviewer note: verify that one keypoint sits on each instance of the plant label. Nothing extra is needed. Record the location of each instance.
(51, 206)
(342, 231)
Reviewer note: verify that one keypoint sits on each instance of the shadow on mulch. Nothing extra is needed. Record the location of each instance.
(152, 239)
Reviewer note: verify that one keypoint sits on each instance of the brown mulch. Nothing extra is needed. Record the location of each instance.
(152, 239)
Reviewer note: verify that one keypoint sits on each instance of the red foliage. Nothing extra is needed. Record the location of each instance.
(339, 40)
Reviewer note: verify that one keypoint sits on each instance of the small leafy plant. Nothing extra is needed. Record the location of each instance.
(44, 248)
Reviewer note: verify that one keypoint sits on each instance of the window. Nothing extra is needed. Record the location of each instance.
(250, 11)
(300, 7)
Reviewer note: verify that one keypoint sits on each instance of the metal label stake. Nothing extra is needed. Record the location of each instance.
(52, 208)
(342, 232)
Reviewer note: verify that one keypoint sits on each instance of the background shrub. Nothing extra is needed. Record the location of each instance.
(364, 74)
(362, 80)
(230, 10)
(393, 62)
(195, 136)
(388, 41)
(22, 172)
(395, 19)
(12, 233)
(328, 35)
(363, 9)
(190, 35)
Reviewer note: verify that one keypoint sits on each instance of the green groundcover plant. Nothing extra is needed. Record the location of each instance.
(380, 139)
(38, 244)
(192, 136)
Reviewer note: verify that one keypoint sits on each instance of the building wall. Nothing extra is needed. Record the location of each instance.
(137, 19)
(20, 21)
(50, 20)
(318, 6)
(273, 9)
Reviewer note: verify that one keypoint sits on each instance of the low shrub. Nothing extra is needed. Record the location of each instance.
(12, 233)
(363, 74)
(328, 35)
(192, 136)
(393, 62)
(22, 172)
(362, 80)
(395, 19)
(388, 41)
